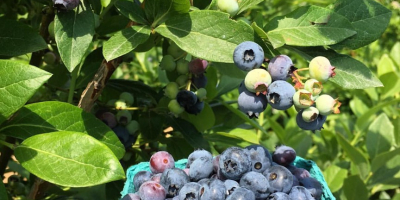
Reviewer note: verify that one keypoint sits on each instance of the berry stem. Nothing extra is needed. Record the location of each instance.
(132, 108)
(9, 145)
(189, 83)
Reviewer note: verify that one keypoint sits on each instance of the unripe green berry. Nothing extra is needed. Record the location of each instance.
(310, 114)
(321, 69)
(120, 104)
(175, 108)
(168, 63)
(257, 81)
(201, 94)
(302, 99)
(124, 117)
(228, 6)
(171, 89)
(327, 105)
(127, 97)
(174, 50)
(111, 102)
(182, 80)
(132, 127)
(313, 86)
(50, 58)
(50, 28)
(182, 66)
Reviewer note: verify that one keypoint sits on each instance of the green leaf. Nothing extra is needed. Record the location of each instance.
(246, 4)
(309, 26)
(125, 41)
(380, 136)
(131, 10)
(158, 11)
(386, 168)
(301, 142)
(350, 73)
(389, 74)
(73, 33)
(355, 155)
(202, 121)
(269, 50)
(334, 177)
(45, 117)
(229, 69)
(3, 191)
(354, 188)
(211, 31)
(18, 83)
(227, 84)
(227, 139)
(189, 132)
(368, 17)
(278, 129)
(68, 158)
(395, 53)
(151, 125)
(363, 121)
(18, 39)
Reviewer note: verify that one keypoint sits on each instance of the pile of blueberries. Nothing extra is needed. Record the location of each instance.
(263, 86)
(187, 92)
(236, 174)
(121, 121)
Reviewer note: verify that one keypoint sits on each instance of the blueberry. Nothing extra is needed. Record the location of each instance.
(327, 105)
(260, 158)
(160, 161)
(196, 108)
(312, 185)
(214, 188)
(297, 172)
(131, 196)
(314, 86)
(234, 162)
(173, 180)
(122, 133)
(63, 5)
(321, 69)
(127, 97)
(257, 183)
(151, 190)
(278, 196)
(230, 186)
(216, 164)
(108, 118)
(199, 81)
(156, 177)
(124, 117)
(302, 99)
(313, 126)
(248, 55)
(201, 168)
(300, 193)
(241, 194)
(280, 67)
(198, 66)
(280, 95)
(284, 155)
(228, 6)
(168, 63)
(141, 177)
(250, 103)
(279, 178)
(191, 191)
(186, 98)
(199, 153)
(257, 81)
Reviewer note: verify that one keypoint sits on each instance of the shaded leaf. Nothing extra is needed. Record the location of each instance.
(364, 120)
(380, 136)
(3, 191)
(69, 159)
(246, 4)
(386, 168)
(395, 53)
(18, 83)
(51, 116)
(269, 50)
(350, 73)
(355, 156)
(229, 69)
(73, 34)
(18, 39)
(354, 188)
(309, 26)
(158, 11)
(227, 139)
(125, 41)
(335, 177)
(211, 31)
(131, 10)
(368, 17)
(151, 125)
(202, 121)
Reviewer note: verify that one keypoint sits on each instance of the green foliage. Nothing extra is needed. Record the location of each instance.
(358, 149)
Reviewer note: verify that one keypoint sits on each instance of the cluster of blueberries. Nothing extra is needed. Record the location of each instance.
(187, 92)
(263, 86)
(121, 122)
(236, 174)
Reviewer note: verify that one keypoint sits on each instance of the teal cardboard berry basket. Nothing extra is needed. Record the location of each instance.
(309, 165)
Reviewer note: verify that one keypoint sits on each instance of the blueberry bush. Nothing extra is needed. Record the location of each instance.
(89, 88)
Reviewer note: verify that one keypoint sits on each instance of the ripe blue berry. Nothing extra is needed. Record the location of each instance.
(260, 158)
(241, 194)
(186, 98)
(64, 5)
(279, 178)
(250, 103)
(191, 191)
(196, 108)
(257, 183)
(173, 180)
(313, 126)
(312, 185)
(257, 81)
(321, 69)
(122, 133)
(151, 190)
(280, 67)
(201, 166)
(278, 196)
(199, 81)
(230, 186)
(310, 114)
(248, 55)
(284, 155)
(300, 193)
(280, 95)
(141, 177)
(234, 162)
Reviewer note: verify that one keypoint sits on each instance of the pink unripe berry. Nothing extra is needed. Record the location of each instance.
(152, 190)
(160, 161)
(198, 66)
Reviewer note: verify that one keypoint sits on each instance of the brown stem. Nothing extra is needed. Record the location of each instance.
(6, 154)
